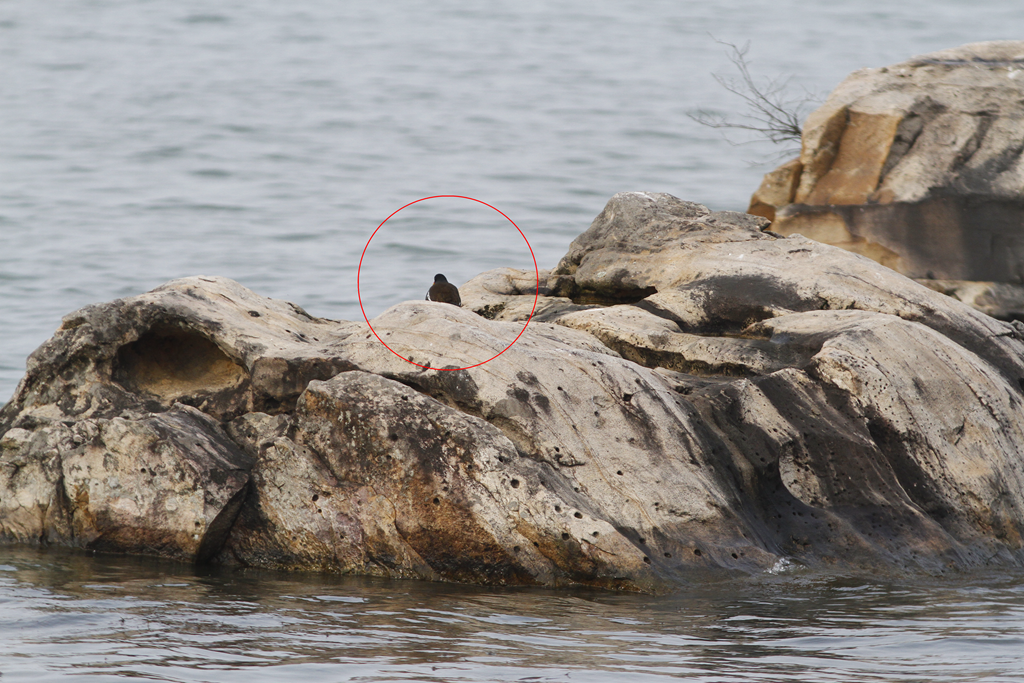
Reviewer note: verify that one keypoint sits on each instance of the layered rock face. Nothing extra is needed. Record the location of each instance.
(918, 166)
(693, 396)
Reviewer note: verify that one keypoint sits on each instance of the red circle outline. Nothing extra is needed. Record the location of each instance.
(359, 293)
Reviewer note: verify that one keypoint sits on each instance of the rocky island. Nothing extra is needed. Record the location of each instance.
(696, 394)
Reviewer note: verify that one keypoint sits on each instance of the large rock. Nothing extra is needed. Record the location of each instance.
(918, 166)
(847, 372)
(165, 484)
(202, 341)
(406, 486)
(694, 396)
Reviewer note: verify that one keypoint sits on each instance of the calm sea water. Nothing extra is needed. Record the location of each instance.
(71, 615)
(142, 141)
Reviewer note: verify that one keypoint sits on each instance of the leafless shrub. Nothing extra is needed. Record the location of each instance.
(770, 111)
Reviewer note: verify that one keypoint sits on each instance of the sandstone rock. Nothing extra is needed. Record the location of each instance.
(615, 443)
(167, 484)
(917, 166)
(776, 311)
(409, 487)
(777, 190)
(701, 397)
(492, 291)
(202, 341)
(33, 507)
(997, 299)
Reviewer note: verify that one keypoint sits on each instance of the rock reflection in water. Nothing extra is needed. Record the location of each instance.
(67, 614)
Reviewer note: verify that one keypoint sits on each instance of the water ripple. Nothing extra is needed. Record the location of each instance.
(70, 614)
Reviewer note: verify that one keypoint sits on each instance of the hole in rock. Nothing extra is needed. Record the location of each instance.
(437, 501)
(170, 363)
(647, 559)
(316, 497)
(696, 551)
(619, 473)
(565, 536)
(558, 508)
(515, 483)
(577, 515)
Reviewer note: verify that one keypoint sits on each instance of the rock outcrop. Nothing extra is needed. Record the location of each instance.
(694, 396)
(918, 166)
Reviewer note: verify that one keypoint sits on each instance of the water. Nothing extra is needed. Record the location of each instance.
(69, 614)
(142, 141)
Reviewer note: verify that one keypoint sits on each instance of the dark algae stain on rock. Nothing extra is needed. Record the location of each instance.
(725, 400)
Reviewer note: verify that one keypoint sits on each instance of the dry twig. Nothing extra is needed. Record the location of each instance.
(769, 112)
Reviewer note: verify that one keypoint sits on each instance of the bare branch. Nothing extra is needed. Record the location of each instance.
(768, 111)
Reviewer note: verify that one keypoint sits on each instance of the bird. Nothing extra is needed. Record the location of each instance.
(444, 291)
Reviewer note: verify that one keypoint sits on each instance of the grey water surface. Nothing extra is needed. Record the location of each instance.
(142, 141)
(68, 614)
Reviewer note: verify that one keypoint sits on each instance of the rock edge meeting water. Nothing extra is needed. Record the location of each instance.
(144, 142)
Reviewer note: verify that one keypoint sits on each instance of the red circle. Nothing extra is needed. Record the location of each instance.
(359, 293)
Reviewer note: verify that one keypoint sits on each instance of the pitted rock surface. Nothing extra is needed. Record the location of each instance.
(695, 396)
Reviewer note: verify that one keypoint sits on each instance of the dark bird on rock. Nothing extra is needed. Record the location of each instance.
(444, 291)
